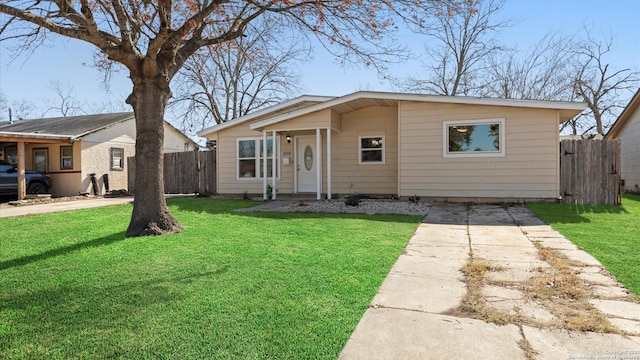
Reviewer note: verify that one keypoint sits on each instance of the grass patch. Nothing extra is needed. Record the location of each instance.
(608, 233)
(231, 285)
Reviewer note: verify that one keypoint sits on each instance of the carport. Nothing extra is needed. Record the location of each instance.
(21, 139)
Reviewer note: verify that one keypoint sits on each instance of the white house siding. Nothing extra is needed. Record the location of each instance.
(528, 169)
(629, 137)
(96, 155)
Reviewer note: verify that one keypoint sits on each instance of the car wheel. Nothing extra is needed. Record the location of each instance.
(37, 188)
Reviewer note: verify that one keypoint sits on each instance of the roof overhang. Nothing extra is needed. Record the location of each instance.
(624, 116)
(7, 136)
(264, 112)
(362, 99)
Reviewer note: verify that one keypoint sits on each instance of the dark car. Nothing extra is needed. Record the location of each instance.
(37, 182)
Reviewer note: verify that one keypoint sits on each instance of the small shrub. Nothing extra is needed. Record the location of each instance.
(414, 199)
(245, 196)
(352, 201)
(302, 203)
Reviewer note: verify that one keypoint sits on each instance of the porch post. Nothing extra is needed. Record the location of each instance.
(329, 163)
(264, 164)
(319, 166)
(273, 166)
(22, 183)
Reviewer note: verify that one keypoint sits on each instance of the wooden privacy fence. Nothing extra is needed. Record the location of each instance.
(184, 172)
(590, 172)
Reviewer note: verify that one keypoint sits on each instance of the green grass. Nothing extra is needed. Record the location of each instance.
(609, 233)
(230, 286)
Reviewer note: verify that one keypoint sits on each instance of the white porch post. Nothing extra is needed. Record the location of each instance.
(264, 164)
(319, 166)
(274, 146)
(329, 163)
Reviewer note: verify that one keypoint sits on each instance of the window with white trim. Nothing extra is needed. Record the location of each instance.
(371, 150)
(116, 159)
(471, 138)
(250, 155)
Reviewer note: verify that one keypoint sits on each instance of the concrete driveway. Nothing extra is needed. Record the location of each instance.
(427, 308)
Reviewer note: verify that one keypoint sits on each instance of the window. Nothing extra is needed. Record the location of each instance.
(117, 158)
(473, 138)
(66, 157)
(250, 163)
(41, 160)
(371, 149)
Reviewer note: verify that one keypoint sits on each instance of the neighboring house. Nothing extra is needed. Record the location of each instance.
(71, 148)
(391, 144)
(627, 130)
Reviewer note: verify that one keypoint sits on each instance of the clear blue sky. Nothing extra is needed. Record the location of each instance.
(69, 61)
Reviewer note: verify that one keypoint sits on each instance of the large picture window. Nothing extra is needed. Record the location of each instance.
(250, 157)
(371, 149)
(473, 138)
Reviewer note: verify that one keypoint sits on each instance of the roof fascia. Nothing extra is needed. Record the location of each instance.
(624, 116)
(554, 105)
(263, 112)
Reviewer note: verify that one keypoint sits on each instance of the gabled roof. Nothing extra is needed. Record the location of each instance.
(301, 101)
(303, 105)
(70, 126)
(363, 99)
(624, 116)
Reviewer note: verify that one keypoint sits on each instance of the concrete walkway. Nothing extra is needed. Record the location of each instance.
(63, 206)
(416, 313)
(71, 205)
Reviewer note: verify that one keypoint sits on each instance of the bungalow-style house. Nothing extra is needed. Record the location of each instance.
(393, 144)
(627, 130)
(72, 148)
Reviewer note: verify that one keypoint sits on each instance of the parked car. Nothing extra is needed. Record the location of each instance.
(37, 181)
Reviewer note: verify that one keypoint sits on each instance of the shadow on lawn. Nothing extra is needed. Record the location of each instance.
(71, 320)
(573, 214)
(25, 260)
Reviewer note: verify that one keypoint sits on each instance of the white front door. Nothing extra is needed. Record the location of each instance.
(307, 160)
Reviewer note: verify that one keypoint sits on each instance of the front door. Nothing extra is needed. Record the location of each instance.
(307, 161)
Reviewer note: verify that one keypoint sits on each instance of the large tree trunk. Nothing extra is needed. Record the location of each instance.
(150, 213)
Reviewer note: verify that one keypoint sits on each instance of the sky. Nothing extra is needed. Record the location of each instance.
(69, 61)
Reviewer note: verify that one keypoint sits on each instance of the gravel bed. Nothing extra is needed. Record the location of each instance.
(365, 206)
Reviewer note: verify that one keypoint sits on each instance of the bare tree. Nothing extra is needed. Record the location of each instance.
(540, 73)
(466, 38)
(154, 39)
(65, 103)
(599, 85)
(226, 81)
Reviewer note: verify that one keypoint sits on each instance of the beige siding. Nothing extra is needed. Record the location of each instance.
(318, 119)
(228, 182)
(630, 152)
(528, 169)
(348, 175)
(63, 182)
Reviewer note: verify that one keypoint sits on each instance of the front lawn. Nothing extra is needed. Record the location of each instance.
(609, 233)
(230, 286)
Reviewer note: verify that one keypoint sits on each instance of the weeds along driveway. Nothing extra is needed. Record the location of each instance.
(488, 281)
